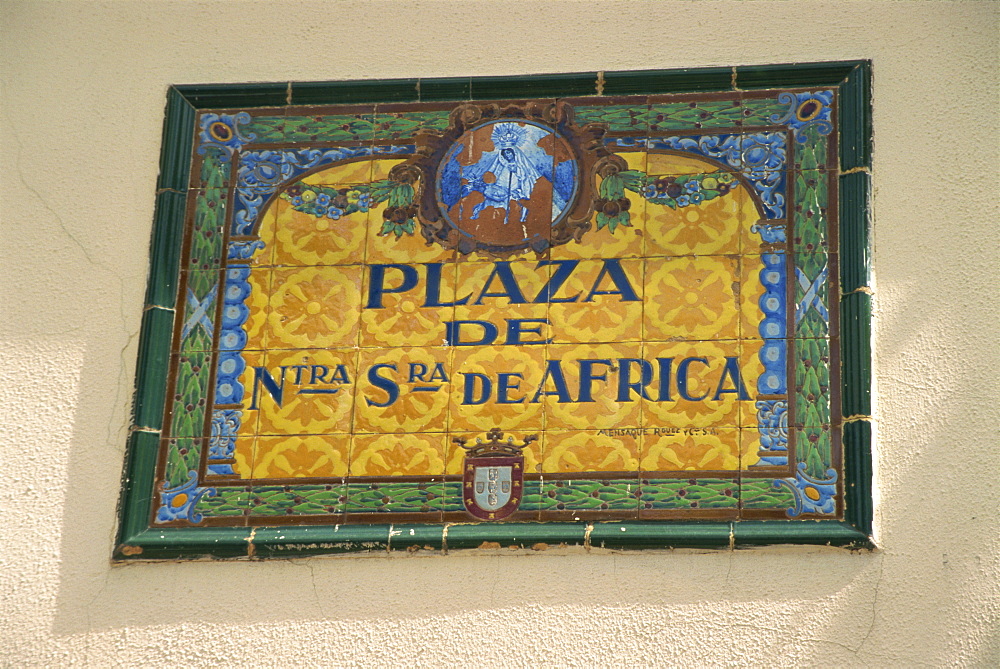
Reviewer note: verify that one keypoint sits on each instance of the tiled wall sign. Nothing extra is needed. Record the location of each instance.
(555, 309)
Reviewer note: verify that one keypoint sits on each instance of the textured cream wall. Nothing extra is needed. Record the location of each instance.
(83, 89)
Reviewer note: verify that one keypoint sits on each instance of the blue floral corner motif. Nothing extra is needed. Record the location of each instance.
(263, 173)
(769, 233)
(760, 157)
(225, 425)
(806, 110)
(222, 132)
(244, 249)
(772, 423)
(178, 503)
(811, 495)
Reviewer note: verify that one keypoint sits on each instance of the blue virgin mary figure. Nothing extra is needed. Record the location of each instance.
(506, 176)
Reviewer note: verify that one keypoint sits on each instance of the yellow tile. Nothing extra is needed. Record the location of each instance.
(586, 400)
(243, 454)
(398, 455)
(590, 451)
(749, 447)
(635, 160)
(407, 318)
(381, 168)
(676, 163)
(406, 248)
(691, 297)
(532, 452)
(314, 307)
(751, 292)
(258, 303)
(495, 291)
(624, 242)
(316, 392)
(310, 456)
(695, 449)
(594, 317)
(412, 385)
(711, 227)
(512, 374)
(249, 418)
(304, 239)
(355, 172)
(694, 384)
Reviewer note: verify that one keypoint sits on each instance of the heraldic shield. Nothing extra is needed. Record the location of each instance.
(493, 475)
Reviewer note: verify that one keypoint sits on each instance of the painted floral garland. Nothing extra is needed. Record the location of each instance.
(612, 207)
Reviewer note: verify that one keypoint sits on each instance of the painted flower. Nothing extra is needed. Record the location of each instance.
(319, 211)
(334, 213)
(297, 201)
(683, 200)
(692, 186)
(323, 200)
(308, 195)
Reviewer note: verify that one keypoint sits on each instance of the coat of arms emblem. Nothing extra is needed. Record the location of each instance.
(493, 475)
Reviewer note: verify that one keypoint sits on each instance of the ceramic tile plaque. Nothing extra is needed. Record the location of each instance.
(614, 309)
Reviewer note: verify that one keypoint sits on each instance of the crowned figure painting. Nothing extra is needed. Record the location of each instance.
(507, 181)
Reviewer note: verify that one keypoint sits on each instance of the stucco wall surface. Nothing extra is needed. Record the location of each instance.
(83, 88)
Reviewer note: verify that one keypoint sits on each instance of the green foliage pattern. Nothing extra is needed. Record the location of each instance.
(190, 394)
(206, 235)
(689, 493)
(685, 115)
(329, 128)
(761, 494)
(183, 455)
(618, 118)
(811, 213)
(759, 111)
(813, 447)
(811, 154)
(588, 495)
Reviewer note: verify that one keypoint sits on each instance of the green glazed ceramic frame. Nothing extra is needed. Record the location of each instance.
(141, 537)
